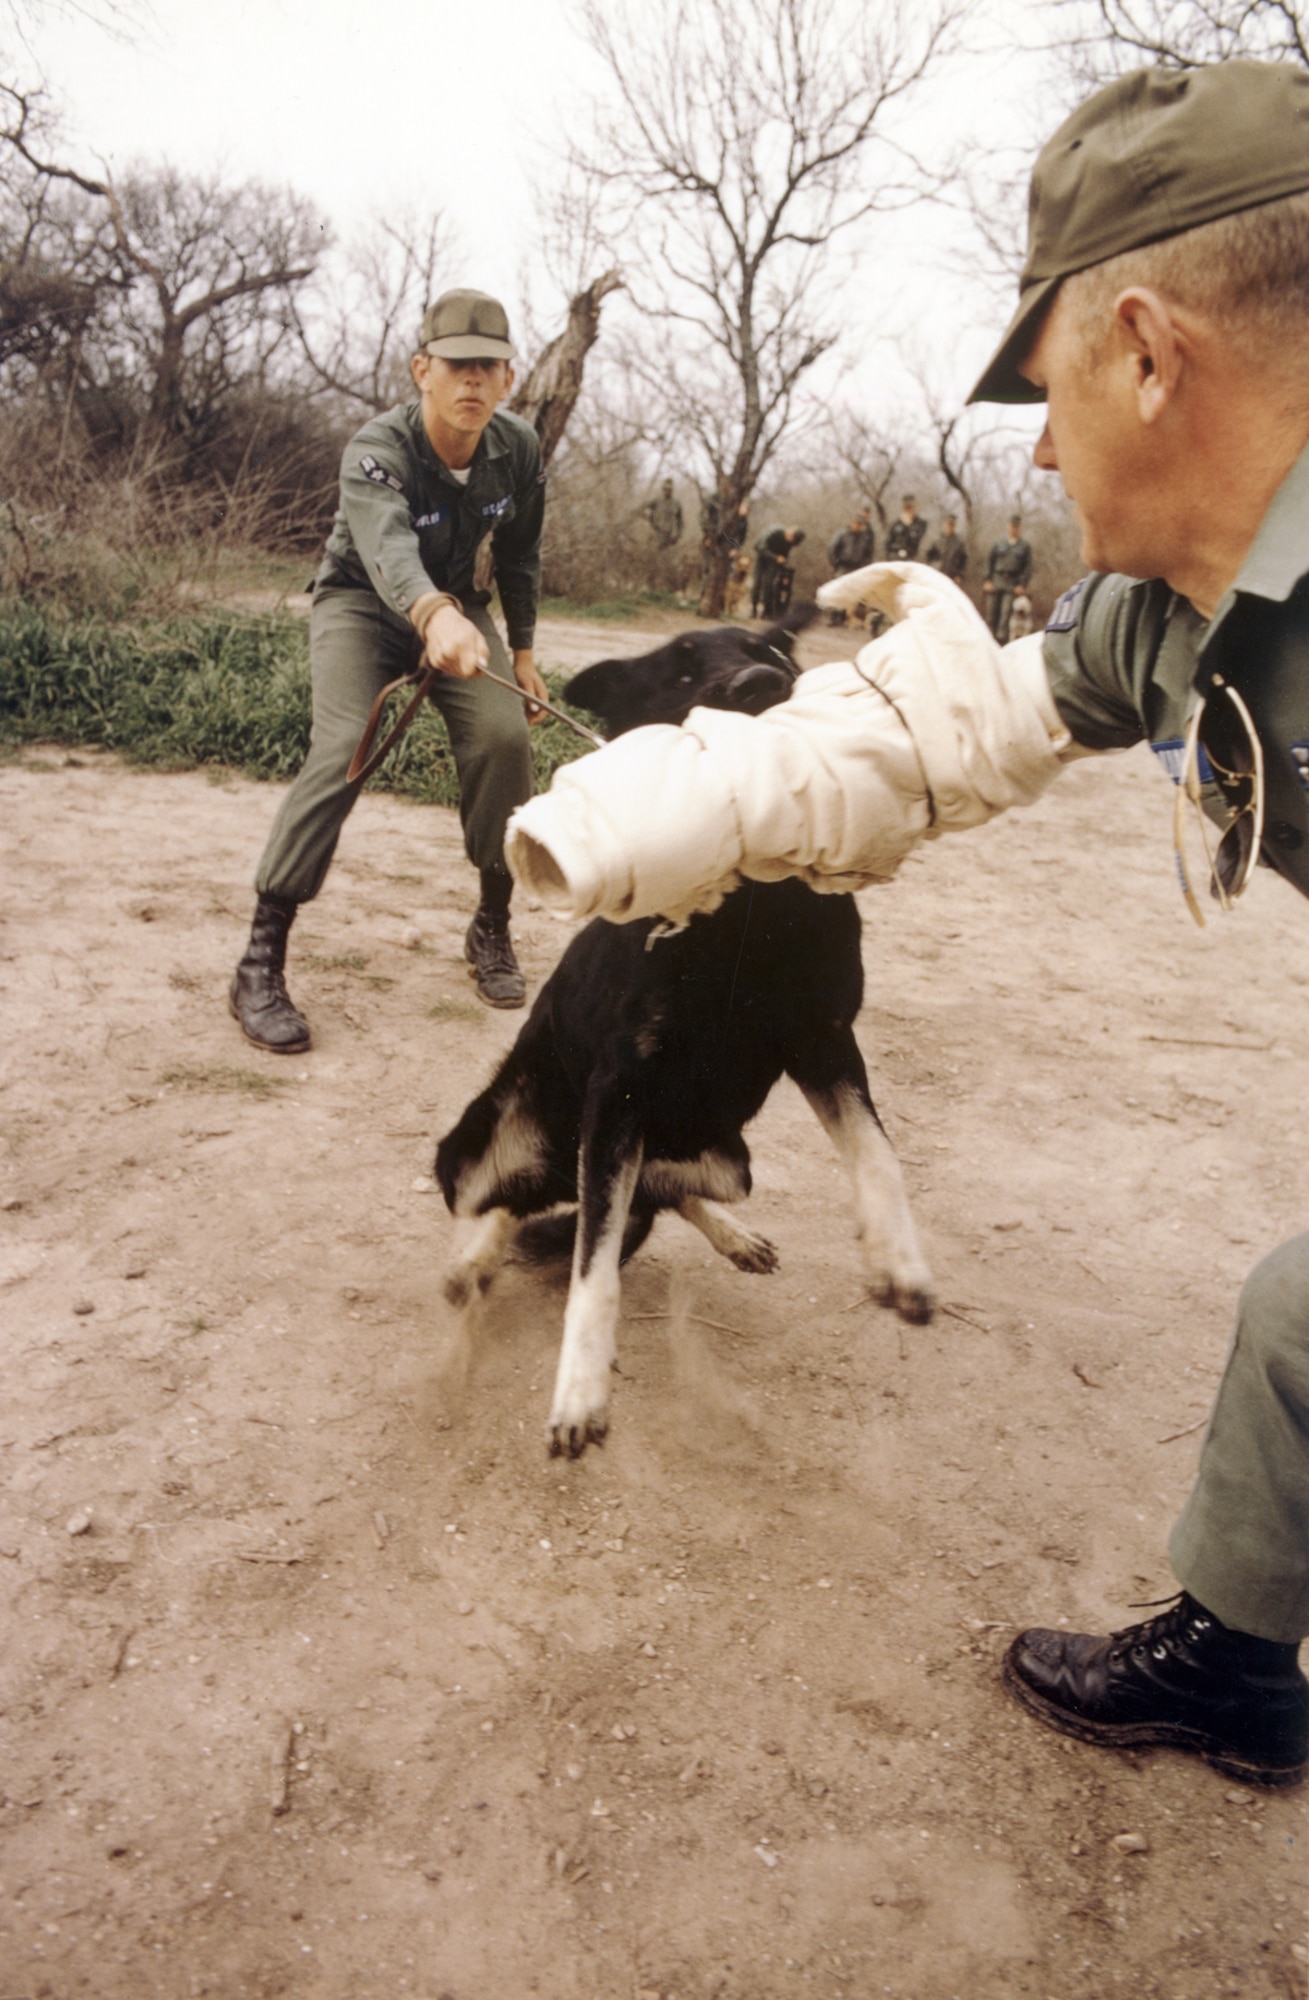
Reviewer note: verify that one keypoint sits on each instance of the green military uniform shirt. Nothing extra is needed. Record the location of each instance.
(1128, 660)
(405, 525)
(1009, 565)
(950, 556)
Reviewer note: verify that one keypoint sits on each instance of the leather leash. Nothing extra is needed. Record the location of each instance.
(363, 764)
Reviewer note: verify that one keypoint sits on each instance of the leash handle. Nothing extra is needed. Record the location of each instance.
(361, 764)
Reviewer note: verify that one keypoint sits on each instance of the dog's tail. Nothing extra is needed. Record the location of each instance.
(797, 617)
(549, 1239)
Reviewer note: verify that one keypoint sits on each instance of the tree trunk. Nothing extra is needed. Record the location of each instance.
(554, 382)
(718, 566)
(722, 550)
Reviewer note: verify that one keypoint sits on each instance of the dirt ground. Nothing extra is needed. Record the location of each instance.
(319, 1678)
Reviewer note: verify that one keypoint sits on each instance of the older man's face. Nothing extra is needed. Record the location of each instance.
(1094, 440)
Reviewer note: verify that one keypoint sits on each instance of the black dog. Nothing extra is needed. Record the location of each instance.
(646, 1053)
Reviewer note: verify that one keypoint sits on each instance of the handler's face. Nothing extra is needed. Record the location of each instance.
(462, 396)
(1094, 441)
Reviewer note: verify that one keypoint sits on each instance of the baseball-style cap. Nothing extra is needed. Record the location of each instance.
(1152, 154)
(466, 326)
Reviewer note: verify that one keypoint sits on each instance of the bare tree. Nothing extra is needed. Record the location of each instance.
(744, 138)
(55, 263)
(867, 456)
(358, 335)
(217, 264)
(1105, 37)
(201, 272)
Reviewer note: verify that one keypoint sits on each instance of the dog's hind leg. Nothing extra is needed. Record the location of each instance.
(479, 1258)
(896, 1268)
(740, 1246)
(609, 1168)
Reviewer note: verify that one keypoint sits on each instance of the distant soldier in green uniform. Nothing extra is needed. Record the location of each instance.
(773, 574)
(1008, 570)
(949, 552)
(423, 487)
(905, 536)
(664, 513)
(850, 548)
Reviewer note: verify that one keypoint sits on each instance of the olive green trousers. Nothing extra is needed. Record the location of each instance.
(355, 647)
(1241, 1544)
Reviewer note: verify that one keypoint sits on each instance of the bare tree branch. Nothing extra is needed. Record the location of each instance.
(744, 138)
(1102, 38)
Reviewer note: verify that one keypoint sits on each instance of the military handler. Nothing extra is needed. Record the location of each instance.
(422, 488)
(773, 574)
(1008, 570)
(949, 552)
(905, 536)
(850, 548)
(1161, 319)
(664, 513)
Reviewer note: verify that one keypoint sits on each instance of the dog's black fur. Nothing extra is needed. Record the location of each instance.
(645, 1055)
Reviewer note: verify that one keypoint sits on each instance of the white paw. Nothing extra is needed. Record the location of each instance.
(580, 1417)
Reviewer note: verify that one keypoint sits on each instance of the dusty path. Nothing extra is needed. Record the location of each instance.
(348, 1691)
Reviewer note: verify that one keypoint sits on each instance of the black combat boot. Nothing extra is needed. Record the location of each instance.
(488, 948)
(258, 997)
(1183, 1679)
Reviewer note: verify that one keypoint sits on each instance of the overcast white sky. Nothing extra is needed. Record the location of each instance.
(448, 103)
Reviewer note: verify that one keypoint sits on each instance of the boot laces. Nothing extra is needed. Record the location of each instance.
(495, 952)
(1181, 1621)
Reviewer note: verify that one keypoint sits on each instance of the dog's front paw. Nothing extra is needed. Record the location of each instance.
(457, 1286)
(580, 1417)
(754, 1253)
(463, 1282)
(913, 1296)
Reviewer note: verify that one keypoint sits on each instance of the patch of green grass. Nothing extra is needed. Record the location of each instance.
(225, 1077)
(456, 1010)
(624, 607)
(221, 688)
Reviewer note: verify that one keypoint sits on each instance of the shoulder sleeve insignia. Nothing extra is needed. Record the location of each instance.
(379, 475)
(1064, 616)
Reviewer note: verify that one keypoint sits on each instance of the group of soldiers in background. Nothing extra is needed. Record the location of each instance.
(765, 586)
(1008, 607)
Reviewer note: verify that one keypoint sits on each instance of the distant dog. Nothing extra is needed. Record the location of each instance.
(736, 603)
(646, 1053)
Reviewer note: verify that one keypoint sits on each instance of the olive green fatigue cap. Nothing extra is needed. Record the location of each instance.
(1152, 154)
(466, 326)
